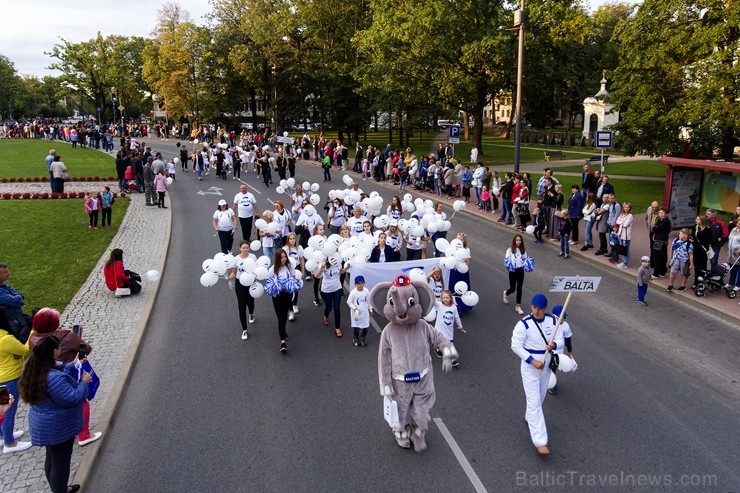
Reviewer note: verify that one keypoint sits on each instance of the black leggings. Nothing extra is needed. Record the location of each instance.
(516, 281)
(107, 213)
(246, 224)
(316, 286)
(56, 466)
(244, 300)
(94, 219)
(333, 301)
(282, 305)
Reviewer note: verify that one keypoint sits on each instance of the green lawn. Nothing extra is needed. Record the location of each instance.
(633, 168)
(419, 142)
(25, 158)
(48, 248)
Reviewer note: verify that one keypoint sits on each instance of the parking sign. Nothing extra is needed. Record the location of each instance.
(455, 132)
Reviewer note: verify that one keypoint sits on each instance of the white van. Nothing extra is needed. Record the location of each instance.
(445, 124)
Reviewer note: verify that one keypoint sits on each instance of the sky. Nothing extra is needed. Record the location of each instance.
(32, 27)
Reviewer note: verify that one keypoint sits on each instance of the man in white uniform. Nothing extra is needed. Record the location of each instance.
(529, 342)
(245, 207)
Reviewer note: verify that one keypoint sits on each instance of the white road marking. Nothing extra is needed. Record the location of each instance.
(251, 188)
(472, 476)
(375, 324)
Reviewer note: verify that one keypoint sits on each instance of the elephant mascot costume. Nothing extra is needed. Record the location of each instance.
(404, 361)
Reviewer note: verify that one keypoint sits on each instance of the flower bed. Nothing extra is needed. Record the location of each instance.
(46, 195)
(38, 179)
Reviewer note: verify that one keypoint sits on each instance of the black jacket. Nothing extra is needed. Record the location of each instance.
(390, 254)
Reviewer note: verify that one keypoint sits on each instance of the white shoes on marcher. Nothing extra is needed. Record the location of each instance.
(295, 309)
(519, 310)
(19, 447)
(506, 298)
(16, 434)
(245, 335)
(291, 317)
(95, 436)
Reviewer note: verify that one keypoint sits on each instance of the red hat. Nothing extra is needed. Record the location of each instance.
(401, 281)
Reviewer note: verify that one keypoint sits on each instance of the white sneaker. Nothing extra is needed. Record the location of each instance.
(506, 298)
(93, 437)
(519, 310)
(295, 309)
(17, 434)
(245, 335)
(622, 266)
(251, 319)
(291, 317)
(19, 447)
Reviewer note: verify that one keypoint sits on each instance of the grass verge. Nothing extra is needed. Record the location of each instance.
(25, 158)
(632, 168)
(48, 248)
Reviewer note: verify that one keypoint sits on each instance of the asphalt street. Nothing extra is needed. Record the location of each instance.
(654, 404)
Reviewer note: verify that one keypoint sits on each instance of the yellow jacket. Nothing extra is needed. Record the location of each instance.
(12, 355)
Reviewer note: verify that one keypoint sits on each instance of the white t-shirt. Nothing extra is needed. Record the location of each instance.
(414, 242)
(394, 213)
(282, 221)
(437, 288)
(361, 301)
(393, 240)
(355, 225)
(295, 253)
(225, 219)
(309, 222)
(240, 264)
(338, 218)
(331, 281)
(447, 319)
(245, 204)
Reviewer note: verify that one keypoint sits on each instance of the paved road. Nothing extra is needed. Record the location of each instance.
(656, 392)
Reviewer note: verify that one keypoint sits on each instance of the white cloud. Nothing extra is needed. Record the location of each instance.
(32, 27)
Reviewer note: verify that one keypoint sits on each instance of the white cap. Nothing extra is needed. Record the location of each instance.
(222, 202)
(394, 222)
(645, 258)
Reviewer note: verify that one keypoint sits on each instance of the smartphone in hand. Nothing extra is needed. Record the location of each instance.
(77, 329)
(4, 395)
(82, 352)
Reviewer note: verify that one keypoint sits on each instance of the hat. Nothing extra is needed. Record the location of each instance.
(645, 258)
(222, 202)
(557, 310)
(359, 279)
(394, 222)
(539, 300)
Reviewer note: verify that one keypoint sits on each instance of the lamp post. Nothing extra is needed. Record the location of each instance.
(274, 100)
(519, 22)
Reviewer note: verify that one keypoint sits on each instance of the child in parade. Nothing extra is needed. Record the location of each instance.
(358, 301)
(447, 320)
(437, 283)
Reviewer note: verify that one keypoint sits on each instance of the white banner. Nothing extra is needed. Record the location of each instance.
(387, 271)
(578, 284)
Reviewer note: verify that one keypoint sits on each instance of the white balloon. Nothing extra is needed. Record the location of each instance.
(456, 243)
(417, 230)
(432, 227)
(530, 229)
(315, 187)
(341, 194)
(260, 224)
(429, 204)
(169, 181)
(315, 199)
(306, 186)
(311, 265)
(152, 275)
(375, 194)
(431, 316)
(458, 205)
(447, 226)
(407, 197)
(417, 275)
(246, 279)
(553, 381)
(348, 200)
(279, 189)
(450, 251)
(347, 180)
(335, 260)
(377, 223)
(566, 363)
(255, 245)
(442, 244)
(401, 224)
(449, 262)
(219, 267)
(219, 257)
(318, 257)
(356, 196)
(461, 287)
(285, 134)
(293, 262)
(335, 240)
(409, 208)
(462, 267)
(264, 261)
(316, 242)
(249, 264)
(461, 254)
(470, 298)
(176, 160)
(229, 260)
(329, 249)
(332, 194)
(309, 209)
(207, 265)
(261, 273)
(440, 225)
(298, 274)
(265, 148)
(419, 203)
(195, 141)
(208, 279)
(256, 290)
(349, 253)
(290, 182)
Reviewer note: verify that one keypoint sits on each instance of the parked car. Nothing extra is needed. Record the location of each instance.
(445, 124)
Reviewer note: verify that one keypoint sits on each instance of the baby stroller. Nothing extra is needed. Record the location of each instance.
(715, 280)
(129, 186)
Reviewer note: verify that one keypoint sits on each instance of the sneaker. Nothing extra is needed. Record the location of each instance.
(653, 276)
(251, 319)
(283, 346)
(682, 288)
(19, 447)
(455, 363)
(295, 309)
(736, 288)
(308, 278)
(245, 335)
(291, 317)
(670, 287)
(571, 242)
(326, 320)
(316, 302)
(561, 254)
(567, 256)
(93, 437)
(17, 434)
(506, 298)
(519, 310)
(584, 248)
(363, 343)
(356, 342)
(612, 261)
(553, 391)
(622, 266)
(641, 303)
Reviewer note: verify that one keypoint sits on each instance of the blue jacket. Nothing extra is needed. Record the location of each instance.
(11, 301)
(59, 417)
(575, 205)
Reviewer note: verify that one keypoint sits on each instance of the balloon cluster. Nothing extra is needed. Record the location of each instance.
(287, 187)
(336, 251)
(455, 254)
(254, 270)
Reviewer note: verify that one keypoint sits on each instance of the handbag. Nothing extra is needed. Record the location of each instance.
(622, 249)
(659, 245)
(390, 412)
(92, 387)
(555, 358)
(65, 175)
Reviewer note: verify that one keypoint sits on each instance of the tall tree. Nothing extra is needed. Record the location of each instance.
(678, 80)
(9, 86)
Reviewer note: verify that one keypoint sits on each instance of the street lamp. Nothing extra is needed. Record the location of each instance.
(519, 22)
(274, 100)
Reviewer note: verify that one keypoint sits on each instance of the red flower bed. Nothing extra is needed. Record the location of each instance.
(12, 180)
(38, 179)
(7, 196)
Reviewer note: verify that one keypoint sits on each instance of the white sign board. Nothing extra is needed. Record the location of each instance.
(454, 140)
(604, 139)
(578, 284)
(285, 140)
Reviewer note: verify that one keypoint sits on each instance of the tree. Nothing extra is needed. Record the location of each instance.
(677, 84)
(9, 86)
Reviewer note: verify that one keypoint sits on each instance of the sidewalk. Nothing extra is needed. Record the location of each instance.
(113, 326)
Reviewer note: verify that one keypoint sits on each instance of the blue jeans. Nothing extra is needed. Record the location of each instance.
(564, 245)
(626, 257)
(269, 252)
(478, 190)
(51, 180)
(641, 291)
(734, 276)
(588, 226)
(332, 301)
(715, 259)
(327, 173)
(506, 211)
(9, 422)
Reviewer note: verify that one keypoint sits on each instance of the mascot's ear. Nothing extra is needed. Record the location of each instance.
(426, 297)
(379, 296)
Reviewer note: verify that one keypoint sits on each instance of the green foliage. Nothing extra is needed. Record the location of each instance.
(25, 158)
(50, 264)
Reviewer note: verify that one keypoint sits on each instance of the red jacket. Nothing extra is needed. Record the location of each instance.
(114, 276)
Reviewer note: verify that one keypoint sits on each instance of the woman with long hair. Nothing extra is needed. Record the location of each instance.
(244, 298)
(116, 276)
(224, 223)
(55, 417)
(281, 284)
(395, 211)
(589, 214)
(701, 237)
(331, 292)
(295, 252)
(659, 254)
(516, 262)
(12, 354)
(624, 221)
(461, 275)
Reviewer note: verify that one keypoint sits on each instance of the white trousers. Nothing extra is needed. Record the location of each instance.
(535, 389)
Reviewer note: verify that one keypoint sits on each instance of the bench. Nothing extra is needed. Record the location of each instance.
(597, 159)
(549, 154)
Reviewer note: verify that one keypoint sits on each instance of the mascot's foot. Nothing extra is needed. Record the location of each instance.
(402, 439)
(417, 438)
(543, 450)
